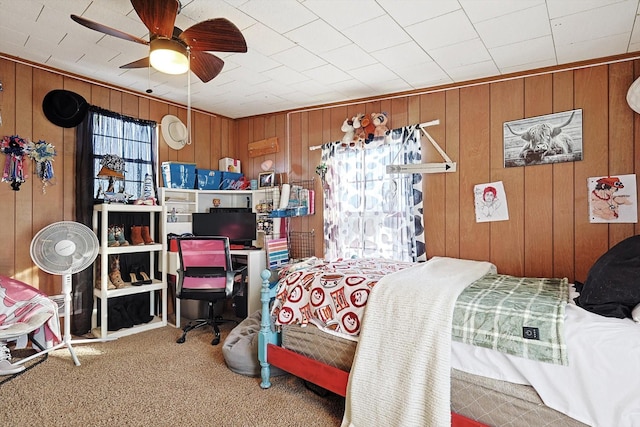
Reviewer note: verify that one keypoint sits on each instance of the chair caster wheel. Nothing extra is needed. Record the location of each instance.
(215, 341)
(181, 340)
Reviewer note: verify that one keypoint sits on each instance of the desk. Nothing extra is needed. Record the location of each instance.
(255, 260)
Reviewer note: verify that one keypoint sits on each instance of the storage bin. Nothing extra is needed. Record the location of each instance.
(209, 179)
(179, 175)
(228, 164)
(231, 181)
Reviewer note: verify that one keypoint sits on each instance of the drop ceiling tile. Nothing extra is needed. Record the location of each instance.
(277, 15)
(378, 33)
(480, 11)
(529, 66)
(594, 24)
(604, 46)
(256, 61)
(509, 29)
(409, 12)
(284, 74)
(528, 51)
(443, 31)
(558, 8)
(344, 15)
(401, 56)
(318, 37)
(348, 57)
(473, 71)
(299, 58)
(264, 40)
(373, 75)
(327, 74)
(461, 54)
(423, 75)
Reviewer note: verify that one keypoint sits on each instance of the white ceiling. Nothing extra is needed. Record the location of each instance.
(310, 52)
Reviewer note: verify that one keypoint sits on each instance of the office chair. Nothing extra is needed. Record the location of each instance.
(206, 274)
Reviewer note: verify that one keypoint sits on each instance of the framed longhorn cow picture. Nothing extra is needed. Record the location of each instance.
(541, 140)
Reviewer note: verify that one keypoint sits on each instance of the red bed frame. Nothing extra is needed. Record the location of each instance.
(330, 378)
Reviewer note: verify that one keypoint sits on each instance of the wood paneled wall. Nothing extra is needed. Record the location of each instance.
(548, 233)
(27, 211)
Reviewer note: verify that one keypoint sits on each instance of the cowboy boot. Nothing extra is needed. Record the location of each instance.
(111, 238)
(118, 232)
(99, 277)
(114, 272)
(146, 236)
(136, 235)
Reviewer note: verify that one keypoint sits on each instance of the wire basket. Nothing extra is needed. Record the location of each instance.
(301, 244)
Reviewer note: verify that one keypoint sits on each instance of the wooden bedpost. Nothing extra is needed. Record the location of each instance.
(266, 335)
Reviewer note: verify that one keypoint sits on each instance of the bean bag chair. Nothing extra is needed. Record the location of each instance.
(240, 348)
(612, 288)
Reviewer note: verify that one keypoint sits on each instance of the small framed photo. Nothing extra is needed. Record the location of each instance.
(266, 179)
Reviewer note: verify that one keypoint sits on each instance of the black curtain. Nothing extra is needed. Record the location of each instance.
(83, 282)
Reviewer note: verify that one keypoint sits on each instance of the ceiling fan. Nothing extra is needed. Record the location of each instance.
(172, 50)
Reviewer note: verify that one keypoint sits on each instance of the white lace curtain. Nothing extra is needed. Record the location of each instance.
(367, 212)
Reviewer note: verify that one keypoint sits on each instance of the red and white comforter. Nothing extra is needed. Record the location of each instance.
(331, 295)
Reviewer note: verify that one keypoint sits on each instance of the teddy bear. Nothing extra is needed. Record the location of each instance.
(380, 121)
(349, 132)
(364, 127)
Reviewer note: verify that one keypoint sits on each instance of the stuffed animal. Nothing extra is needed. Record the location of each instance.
(364, 127)
(380, 121)
(349, 132)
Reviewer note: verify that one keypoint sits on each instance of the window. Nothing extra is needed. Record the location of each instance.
(130, 139)
(369, 213)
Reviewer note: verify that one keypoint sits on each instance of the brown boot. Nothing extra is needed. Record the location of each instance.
(136, 235)
(146, 236)
(98, 278)
(114, 272)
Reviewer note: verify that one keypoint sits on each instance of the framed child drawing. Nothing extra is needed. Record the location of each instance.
(613, 199)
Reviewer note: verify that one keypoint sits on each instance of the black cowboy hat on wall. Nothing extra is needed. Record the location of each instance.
(64, 108)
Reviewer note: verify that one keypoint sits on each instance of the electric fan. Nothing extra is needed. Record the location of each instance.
(64, 248)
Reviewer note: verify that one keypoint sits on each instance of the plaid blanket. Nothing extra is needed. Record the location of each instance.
(518, 316)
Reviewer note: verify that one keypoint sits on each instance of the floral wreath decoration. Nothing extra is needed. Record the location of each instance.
(14, 171)
(43, 153)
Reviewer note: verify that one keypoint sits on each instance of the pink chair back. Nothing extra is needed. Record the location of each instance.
(203, 253)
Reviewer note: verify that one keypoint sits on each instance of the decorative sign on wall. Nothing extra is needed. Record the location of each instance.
(613, 199)
(264, 146)
(552, 138)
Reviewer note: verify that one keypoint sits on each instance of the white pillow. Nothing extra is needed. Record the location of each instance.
(635, 314)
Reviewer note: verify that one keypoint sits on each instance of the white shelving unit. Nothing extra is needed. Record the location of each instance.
(102, 295)
(180, 204)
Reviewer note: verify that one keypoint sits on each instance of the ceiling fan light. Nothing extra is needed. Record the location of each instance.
(168, 56)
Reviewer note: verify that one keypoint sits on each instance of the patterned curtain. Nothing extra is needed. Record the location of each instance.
(367, 212)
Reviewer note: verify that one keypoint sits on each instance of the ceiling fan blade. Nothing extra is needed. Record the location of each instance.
(157, 15)
(140, 63)
(205, 65)
(107, 30)
(218, 34)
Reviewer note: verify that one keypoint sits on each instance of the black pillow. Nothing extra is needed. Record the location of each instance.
(612, 288)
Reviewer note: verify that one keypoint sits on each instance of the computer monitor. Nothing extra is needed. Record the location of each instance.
(239, 227)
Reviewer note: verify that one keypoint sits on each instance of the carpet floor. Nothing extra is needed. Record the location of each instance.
(148, 380)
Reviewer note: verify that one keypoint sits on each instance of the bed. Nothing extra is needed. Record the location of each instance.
(478, 385)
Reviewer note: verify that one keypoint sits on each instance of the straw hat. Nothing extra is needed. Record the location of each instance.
(175, 133)
(633, 96)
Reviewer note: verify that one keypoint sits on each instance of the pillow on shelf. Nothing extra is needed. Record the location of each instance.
(612, 288)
